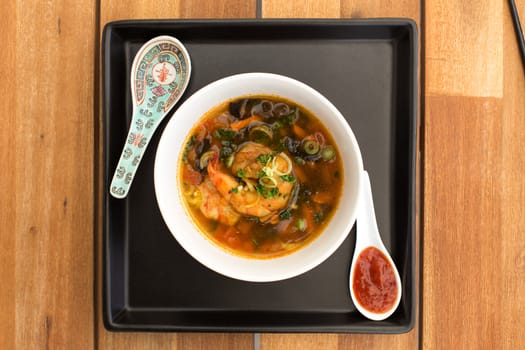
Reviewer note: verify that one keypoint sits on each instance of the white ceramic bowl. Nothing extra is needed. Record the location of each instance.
(167, 182)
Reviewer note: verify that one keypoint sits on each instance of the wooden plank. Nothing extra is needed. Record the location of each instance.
(381, 8)
(463, 222)
(116, 10)
(47, 198)
(512, 298)
(300, 341)
(174, 341)
(301, 9)
(474, 187)
(7, 183)
(341, 9)
(465, 48)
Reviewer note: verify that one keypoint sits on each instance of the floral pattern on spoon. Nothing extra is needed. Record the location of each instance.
(159, 75)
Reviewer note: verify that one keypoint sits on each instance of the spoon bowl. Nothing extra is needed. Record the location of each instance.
(374, 279)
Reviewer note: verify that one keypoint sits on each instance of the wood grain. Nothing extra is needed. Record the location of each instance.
(462, 222)
(47, 201)
(474, 256)
(512, 206)
(149, 9)
(116, 10)
(175, 341)
(7, 183)
(381, 8)
(301, 9)
(340, 9)
(299, 341)
(465, 47)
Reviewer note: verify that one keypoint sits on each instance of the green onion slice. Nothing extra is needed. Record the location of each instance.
(311, 147)
(328, 153)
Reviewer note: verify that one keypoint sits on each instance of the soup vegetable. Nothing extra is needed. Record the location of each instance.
(261, 176)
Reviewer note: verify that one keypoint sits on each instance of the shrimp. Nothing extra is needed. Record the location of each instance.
(250, 200)
(245, 159)
(214, 206)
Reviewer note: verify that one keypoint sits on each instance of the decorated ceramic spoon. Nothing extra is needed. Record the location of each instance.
(159, 75)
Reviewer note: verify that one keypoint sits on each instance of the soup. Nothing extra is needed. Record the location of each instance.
(261, 176)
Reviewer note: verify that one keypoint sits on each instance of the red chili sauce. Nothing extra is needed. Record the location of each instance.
(375, 284)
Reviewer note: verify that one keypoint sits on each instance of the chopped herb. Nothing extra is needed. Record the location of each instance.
(337, 174)
(318, 217)
(260, 189)
(234, 190)
(290, 118)
(288, 178)
(273, 192)
(241, 174)
(301, 224)
(224, 134)
(266, 192)
(285, 214)
(264, 158)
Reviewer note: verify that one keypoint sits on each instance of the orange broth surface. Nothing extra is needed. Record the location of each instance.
(261, 176)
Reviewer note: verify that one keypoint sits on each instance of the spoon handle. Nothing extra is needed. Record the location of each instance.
(366, 217)
(139, 135)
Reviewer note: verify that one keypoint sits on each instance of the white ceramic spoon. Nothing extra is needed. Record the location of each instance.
(367, 235)
(159, 75)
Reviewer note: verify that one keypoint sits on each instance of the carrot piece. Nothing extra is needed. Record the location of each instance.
(238, 125)
(299, 131)
(299, 173)
(219, 233)
(322, 197)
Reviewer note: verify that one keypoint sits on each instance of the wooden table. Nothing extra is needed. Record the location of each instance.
(471, 179)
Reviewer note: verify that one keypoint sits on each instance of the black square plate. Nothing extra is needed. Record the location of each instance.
(368, 69)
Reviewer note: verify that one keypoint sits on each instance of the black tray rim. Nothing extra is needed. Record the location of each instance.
(414, 147)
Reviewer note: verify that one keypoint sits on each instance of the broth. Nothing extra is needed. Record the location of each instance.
(260, 176)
